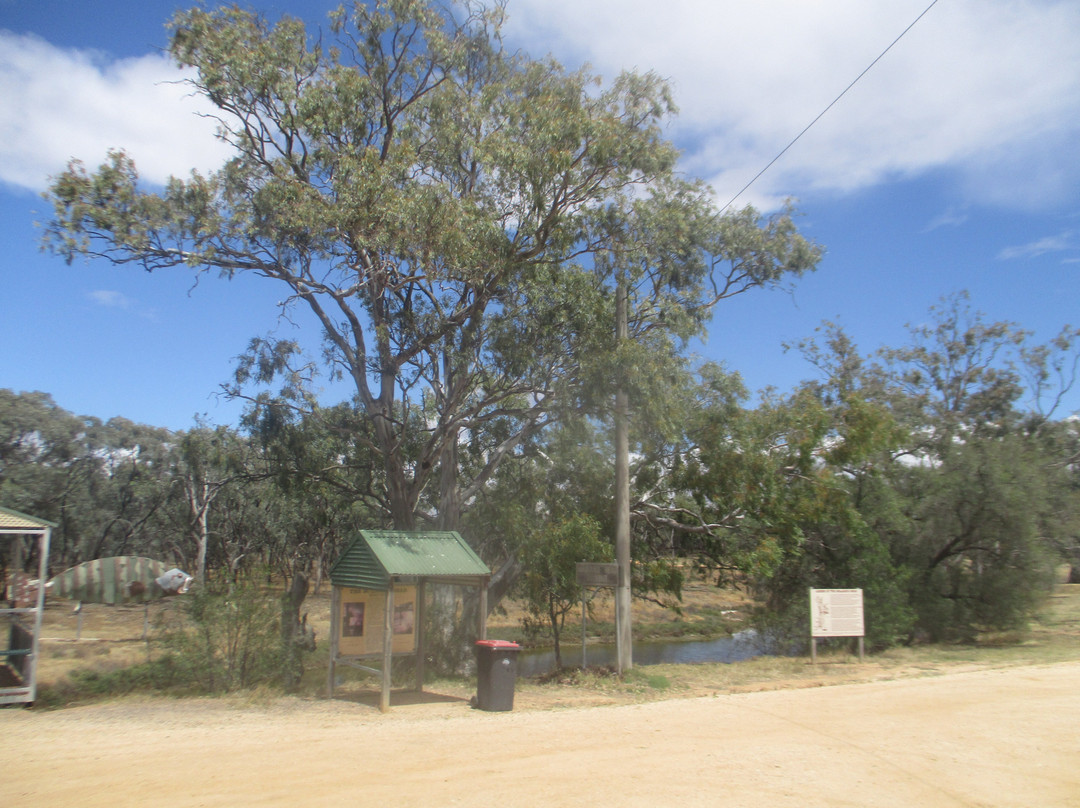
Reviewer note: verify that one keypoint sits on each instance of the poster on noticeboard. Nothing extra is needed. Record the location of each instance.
(362, 618)
(836, 613)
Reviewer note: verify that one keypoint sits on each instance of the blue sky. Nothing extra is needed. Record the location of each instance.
(952, 165)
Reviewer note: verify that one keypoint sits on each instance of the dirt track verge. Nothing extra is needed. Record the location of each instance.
(1004, 737)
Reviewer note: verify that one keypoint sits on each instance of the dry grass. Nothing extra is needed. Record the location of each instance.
(111, 639)
(1053, 637)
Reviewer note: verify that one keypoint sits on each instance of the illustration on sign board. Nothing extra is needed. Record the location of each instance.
(404, 618)
(354, 620)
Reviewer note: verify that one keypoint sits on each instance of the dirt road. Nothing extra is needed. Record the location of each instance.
(1006, 737)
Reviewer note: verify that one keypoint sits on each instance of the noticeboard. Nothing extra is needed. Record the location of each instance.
(362, 619)
(836, 613)
(591, 573)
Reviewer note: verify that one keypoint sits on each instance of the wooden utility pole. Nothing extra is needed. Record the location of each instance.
(623, 633)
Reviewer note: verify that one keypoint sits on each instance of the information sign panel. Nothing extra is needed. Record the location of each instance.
(362, 619)
(591, 573)
(836, 613)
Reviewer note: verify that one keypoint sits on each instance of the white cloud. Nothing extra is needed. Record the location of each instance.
(110, 299)
(117, 302)
(1062, 242)
(988, 92)
(63, 104)
(951, 217)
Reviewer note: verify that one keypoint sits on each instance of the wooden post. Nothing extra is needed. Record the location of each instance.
(584, 664)
(482, 627)
(18, 564)
(335, 630)
(388, 648)
(623, 623)
(39, 609)
(419, 629)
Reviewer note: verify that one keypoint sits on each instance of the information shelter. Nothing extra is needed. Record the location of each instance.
(377, 605)
(22, 608)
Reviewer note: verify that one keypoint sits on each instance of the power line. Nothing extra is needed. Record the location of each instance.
(834, 101)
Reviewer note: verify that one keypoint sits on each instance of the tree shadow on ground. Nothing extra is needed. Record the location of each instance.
(398, 698)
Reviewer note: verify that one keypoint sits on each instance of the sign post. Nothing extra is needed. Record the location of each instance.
(836, 613)
(597, 574)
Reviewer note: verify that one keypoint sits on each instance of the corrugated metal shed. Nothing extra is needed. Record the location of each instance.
(117, 579)
(376, 556)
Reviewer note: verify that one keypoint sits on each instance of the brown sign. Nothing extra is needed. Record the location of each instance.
(590, 573)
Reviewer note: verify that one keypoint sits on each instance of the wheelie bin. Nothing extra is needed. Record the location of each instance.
(496, 674)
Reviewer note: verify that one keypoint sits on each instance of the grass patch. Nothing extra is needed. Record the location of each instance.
(1052, 637)
(99, 683)
(658, 682)
(90, 672)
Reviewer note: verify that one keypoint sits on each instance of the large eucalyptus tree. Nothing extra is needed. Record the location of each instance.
(438, 204)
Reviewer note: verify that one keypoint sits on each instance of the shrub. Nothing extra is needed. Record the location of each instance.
(230, 640)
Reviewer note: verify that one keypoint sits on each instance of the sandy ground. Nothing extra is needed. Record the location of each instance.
(1008, 737)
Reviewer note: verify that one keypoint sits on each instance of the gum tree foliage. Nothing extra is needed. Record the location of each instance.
(549, 583)
(209, 464)
(958, 375)
(105, 484)
(200, 499)
(322, 479)
(931, 475)
(1061, 441)
(241, 503)
(976, 499)
(770, 493)
(451, 215)
(564, 475)
(986, 488)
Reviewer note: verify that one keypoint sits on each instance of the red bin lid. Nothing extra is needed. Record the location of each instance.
(497, 644)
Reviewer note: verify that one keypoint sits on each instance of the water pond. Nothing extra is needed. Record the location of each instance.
(744, 645)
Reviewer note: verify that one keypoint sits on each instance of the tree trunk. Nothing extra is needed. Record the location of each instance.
(200, 530)
(296, 637)
(449, 499)
(555, 633)
(401, 505)
(502, 580)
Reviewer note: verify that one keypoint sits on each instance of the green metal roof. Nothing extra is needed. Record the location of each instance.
(375, 556)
